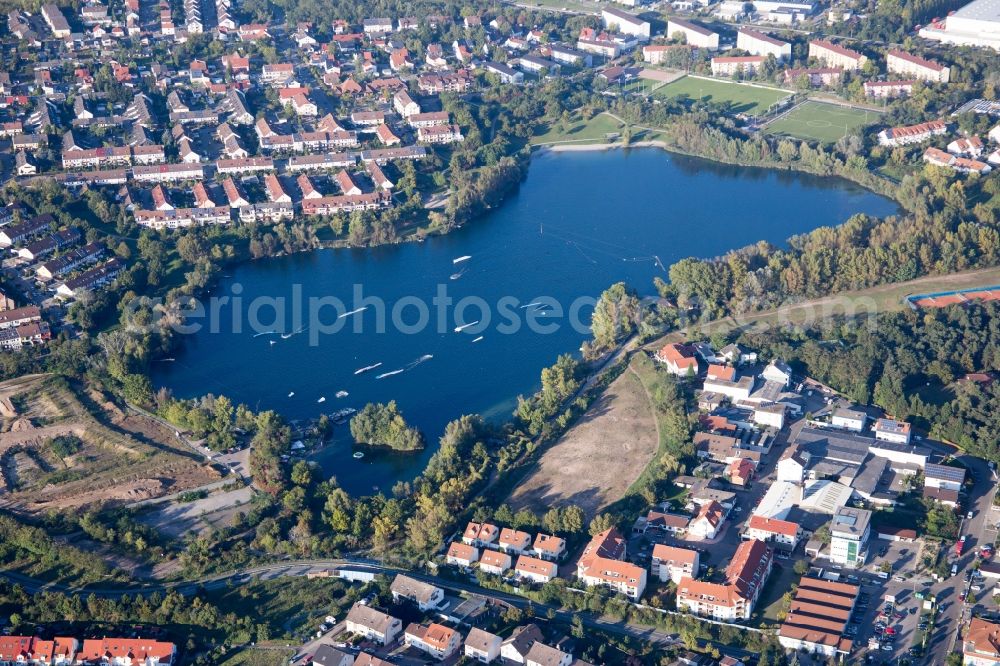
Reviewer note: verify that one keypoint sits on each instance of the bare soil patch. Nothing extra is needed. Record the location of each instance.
(596, 461)
(119, 458)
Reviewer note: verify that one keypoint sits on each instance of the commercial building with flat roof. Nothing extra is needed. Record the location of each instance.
(975, 24)
(849, 532)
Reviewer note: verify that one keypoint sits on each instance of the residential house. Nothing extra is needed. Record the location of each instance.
(514, 541)
(782, 532)
(435, 639)
(617, 20)
(900, 62)
(832, 55)
(734, 599)
(981, 644)
(329, 655)
(549, 547)
(541, 654)
(482, 646)
(480, 534)
(674, 563)
(693, 34)
(849, 419)
(494, 562)
(759, 43)
(534, 569)
(679, 359)
(424, 595)
(461, 554)
(737, 65)
(902, 136)
(602, 563)
(373, 624)
(708, 521)
(516, 647)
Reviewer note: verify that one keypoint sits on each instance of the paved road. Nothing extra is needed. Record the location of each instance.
(951, 592)
(303, 568)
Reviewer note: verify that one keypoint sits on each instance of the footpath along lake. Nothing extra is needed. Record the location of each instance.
(580, 222)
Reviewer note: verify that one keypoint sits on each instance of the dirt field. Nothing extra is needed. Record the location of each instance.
(594, 463)
(111, 456)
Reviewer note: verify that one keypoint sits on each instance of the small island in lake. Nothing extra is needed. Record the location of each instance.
(382, 425)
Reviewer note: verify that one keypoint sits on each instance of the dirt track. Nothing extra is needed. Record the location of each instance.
(594, 463)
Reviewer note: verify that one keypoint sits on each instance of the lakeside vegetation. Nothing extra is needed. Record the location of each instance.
(380, 424)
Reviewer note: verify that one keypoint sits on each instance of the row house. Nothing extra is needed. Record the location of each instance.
(91, 279)
(97, 157)
(166, 173)
(182, 217)
(267, 212)
(902, 136)
(49, 244)
(245, 165)
(13, 339)
(428, 119)
(127, 651)
(18, 233)
(321, 162)
(70, 261)
(440, 134)
(345, 203)
(940, 158)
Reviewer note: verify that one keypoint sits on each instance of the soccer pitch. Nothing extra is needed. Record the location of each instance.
(735, 97)
(818, 121)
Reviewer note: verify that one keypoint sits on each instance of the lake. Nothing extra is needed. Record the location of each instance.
(579, 222)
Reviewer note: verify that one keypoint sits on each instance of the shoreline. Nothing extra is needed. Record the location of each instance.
(542, 149)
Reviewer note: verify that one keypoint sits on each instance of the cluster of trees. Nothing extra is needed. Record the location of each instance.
(379, 424)
(559, 382)
(36, 552)
(913, 365)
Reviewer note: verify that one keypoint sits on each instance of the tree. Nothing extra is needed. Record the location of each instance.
(615, 317)
(801, 567)
(380, 424)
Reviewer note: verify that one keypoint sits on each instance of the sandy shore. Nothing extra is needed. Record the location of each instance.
(582, 147)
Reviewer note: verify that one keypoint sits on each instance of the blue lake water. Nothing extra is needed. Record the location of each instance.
(580, 222)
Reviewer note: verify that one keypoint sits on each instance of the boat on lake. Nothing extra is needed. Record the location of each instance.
(458, 260)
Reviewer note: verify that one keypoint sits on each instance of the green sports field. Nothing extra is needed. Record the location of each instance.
(735, 97)
(818, 121)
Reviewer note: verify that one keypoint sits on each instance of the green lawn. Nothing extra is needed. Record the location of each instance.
(818, 121)
(736, 97)
(260, 657)
(579, 131)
